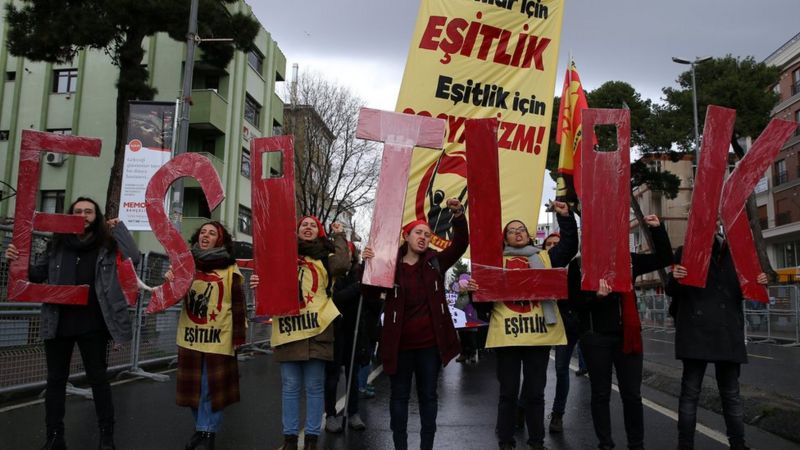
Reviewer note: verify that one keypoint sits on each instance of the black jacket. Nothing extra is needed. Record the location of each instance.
(603, 315)
(709, 321)
(346, 296)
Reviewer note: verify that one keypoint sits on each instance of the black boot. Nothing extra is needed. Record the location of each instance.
(289, 442)
(206, 442)
(106, 438)
(55, 441)
(194, 440)
(310, 442)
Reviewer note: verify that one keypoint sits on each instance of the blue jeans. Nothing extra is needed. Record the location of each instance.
(295, 374)
(363, 376)
(563, 357)
(206, 419)
(425, 363)
(727, 374)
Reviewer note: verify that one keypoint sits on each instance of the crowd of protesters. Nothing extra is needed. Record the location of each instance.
(408, 328)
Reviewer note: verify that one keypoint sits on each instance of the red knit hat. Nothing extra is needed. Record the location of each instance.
(411, 225)
(319, 224)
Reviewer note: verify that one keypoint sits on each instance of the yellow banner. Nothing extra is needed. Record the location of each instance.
(481, 59)
(317, 310)
(206, 320)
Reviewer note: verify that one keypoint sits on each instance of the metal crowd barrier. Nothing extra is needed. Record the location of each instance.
(775, 322)
(22, 360)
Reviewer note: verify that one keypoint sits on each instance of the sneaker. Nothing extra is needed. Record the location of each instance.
(556, 423)
(581, 372)
(461, 358)
(333, 424)
(367, 392)
(355, 422)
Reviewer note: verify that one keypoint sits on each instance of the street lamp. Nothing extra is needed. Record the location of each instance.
(694, 102)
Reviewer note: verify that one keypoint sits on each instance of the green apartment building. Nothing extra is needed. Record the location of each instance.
(230, 107)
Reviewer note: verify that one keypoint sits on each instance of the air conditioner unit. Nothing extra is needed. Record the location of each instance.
(54, 159)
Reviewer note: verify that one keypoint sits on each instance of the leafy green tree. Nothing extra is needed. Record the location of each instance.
(738, 83)
(56, 30)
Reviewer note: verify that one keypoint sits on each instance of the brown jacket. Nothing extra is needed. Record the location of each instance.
(321, 345)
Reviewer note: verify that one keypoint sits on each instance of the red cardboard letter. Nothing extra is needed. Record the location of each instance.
(486, 229)
(400, 133)
(707, 190)
(274, 229)
(606, 199)
(180, 256)
(734, 195)
(26, 219)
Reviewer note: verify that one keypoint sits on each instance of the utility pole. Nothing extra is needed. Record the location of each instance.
(182, 141)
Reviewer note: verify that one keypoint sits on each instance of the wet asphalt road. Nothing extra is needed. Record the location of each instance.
(147, 417)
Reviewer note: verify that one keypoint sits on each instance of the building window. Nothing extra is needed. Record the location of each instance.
(777, 89)
(256, 60)
(245, 163)
(209, 146)
(4, 134)
(795, 81)
(252, 111)
(797, 119)
(65, 81)
(64, 131)
(780, 173)
(11, 76)
(245, 220)
(52, 201)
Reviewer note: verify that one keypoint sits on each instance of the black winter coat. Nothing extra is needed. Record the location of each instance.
(346, 296)
(709, 321)
(603, 315)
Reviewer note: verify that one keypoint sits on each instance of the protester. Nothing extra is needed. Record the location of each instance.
(563, 352)
(528, 347)
(709, 328)
(611, 336)
(303, 343)
(86, 258)
(346, 297)
(467, 336)
(208, 371)
(418, 334)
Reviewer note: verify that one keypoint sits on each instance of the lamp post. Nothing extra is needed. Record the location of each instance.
(694, 102)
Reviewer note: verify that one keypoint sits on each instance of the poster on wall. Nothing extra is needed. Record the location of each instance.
(468, 60)
(151, 127)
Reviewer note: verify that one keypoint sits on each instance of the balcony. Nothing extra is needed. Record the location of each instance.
(209, 110)
(277, 108)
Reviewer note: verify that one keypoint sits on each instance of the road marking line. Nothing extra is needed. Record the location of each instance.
(659, 340)
(710, 432)
(36, 402)
(759, 356)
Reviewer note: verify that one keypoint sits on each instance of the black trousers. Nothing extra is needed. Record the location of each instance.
(333, 371)
(58, 353)
(601, 353)
(533, 361)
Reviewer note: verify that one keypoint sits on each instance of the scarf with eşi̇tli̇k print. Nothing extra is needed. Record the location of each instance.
(317, 310)
(523, 322)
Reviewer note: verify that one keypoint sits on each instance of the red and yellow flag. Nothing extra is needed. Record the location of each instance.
(569, 134)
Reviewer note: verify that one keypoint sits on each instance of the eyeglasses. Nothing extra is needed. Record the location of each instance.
(516, 230)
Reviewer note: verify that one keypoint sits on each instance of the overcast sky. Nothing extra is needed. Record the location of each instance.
(364, 44)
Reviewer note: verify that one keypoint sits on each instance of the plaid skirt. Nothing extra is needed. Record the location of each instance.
(223, 378)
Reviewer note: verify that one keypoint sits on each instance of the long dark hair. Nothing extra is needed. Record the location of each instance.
(98, 228)
(225, 238)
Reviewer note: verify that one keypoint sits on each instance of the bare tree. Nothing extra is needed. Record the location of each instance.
(336, 173)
